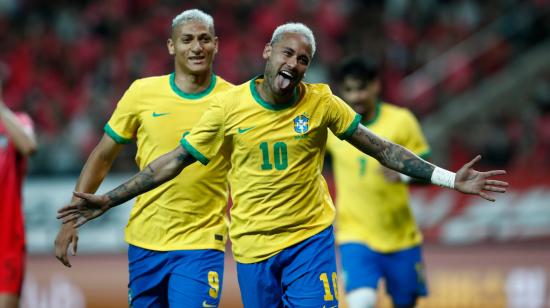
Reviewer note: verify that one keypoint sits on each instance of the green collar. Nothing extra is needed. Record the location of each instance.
(198, 95)
(267, 105)
(376, 114)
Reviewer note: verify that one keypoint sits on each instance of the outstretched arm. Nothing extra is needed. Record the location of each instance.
(92, 175)
(398, 158)
(159, 171)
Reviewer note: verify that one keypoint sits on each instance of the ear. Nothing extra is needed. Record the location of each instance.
(267, 51)
(215, 44)
(376, 86)
(170, 45)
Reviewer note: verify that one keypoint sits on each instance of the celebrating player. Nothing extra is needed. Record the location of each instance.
(177, 232)
(276, 128)
(376, 232)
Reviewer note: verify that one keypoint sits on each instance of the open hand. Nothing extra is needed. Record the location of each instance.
(84, 209)
(470, 181)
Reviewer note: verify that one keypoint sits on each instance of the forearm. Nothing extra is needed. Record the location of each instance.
(97, 165)
(404, 161)
(415, 181)
(24, 140)
(391, 155)
(159, 171)
(93, 173)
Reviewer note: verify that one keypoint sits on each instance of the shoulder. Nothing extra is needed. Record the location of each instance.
(231, 90)
(230, 95)
(153, 80)
(319, 93)
(149, 82)
(396, 111)
(318, 89)
(223, 84)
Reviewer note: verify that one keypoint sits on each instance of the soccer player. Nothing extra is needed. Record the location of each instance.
(375, 229)
(176, 232)
(281, 221)
(17, 142)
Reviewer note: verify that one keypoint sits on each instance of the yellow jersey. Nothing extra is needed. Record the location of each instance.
(371, 210)
(188, 212)
(280, 197)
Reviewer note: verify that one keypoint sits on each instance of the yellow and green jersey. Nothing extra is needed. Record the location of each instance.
(279, 196)
(188, 212)
(370, 209)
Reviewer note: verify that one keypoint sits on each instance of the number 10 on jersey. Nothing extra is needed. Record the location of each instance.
(280, 156)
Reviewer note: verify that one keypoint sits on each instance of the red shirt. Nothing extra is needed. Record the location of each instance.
(12, 172)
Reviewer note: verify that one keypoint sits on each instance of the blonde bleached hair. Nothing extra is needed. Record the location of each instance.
(193, 15)
(294, 27)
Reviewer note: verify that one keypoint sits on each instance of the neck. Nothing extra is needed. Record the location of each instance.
(370, 113)
(267, 95)
(192, 83)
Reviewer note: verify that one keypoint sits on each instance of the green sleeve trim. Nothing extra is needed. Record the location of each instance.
(116, 137)
(426, 154)
(194, 152)
(352, 128)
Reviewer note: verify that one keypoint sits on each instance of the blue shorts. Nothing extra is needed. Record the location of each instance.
(179, 278)
(403, 271)
(303, 275)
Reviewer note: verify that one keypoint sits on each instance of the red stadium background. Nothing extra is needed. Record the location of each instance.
(476, 74)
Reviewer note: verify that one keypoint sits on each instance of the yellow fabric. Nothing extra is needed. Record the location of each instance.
(371, 210)
(188, 212)
(279, 196)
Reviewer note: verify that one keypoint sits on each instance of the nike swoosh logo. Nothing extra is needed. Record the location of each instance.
(159, 114)
(244, 130)
(205, 304)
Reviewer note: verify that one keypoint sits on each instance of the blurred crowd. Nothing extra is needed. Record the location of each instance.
(67, 63)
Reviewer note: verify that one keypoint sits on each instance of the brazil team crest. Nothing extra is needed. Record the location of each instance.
(301, 124)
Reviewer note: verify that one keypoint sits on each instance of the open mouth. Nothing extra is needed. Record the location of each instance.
(284, 79)
(196, 59)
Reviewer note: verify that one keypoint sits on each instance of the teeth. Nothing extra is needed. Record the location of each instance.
(286, 74)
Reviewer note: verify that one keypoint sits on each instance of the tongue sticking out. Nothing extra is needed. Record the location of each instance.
(282, 82)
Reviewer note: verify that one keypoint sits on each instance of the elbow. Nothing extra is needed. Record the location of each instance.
(29, 149)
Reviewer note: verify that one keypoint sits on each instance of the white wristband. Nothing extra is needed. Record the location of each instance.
(404, 178)
(444, 178)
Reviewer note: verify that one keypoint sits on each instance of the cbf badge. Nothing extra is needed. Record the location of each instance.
(301, 124)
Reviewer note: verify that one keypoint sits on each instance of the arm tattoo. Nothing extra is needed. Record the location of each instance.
(141, 182)
(183, 156)
(400, 159)
(391, 155)
(159, 171)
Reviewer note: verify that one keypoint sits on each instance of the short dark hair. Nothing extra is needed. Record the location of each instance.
(359, 69)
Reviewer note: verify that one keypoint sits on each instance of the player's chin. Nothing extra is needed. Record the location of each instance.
(198, 68)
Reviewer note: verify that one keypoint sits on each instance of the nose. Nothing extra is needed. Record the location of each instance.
(196, 46)
(292, 62)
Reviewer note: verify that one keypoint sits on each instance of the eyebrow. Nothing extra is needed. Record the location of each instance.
(289, 49)
(199, 34)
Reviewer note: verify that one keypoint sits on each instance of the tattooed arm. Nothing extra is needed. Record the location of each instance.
(390, 154)
(161, 170)
(396, 157)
